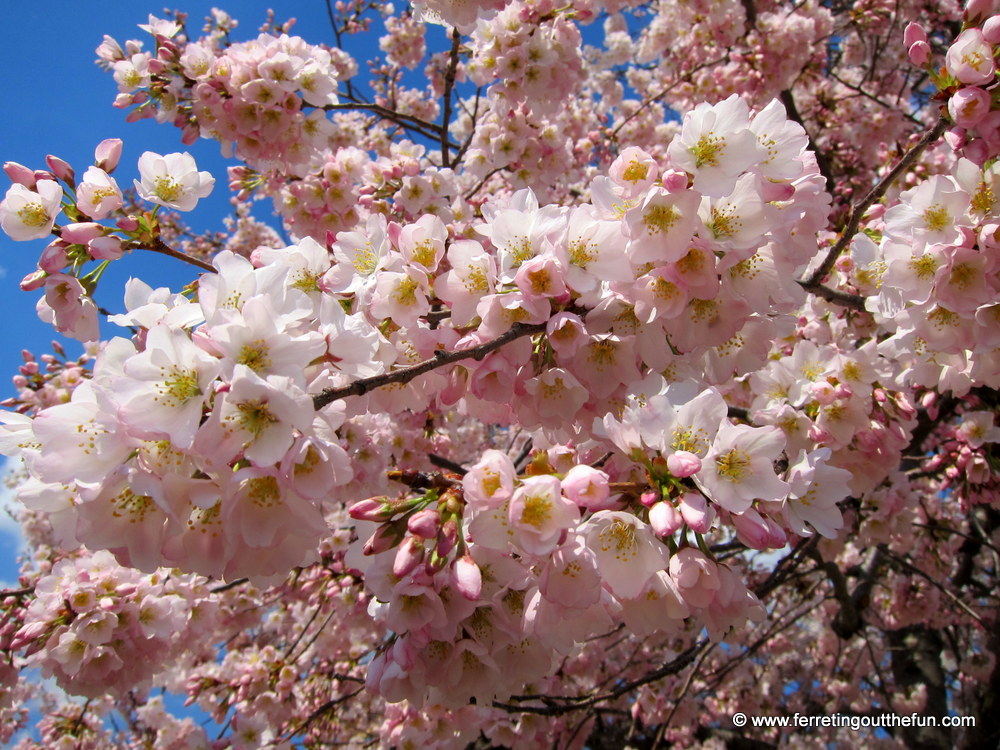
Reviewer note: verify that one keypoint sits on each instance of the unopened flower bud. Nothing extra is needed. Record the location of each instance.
(696, 512)
(913, 33)
(20, 174)
(467, 577)
(664, 519)
(384, 538)
(674, 180)
(447, 537)
(60, 169)
(409, 555)
(424, 523)
(33, 281)
(81, 232)
(991, 30)
(53, 258)
(105, 248)
(919, 53)
(373, 509)
(683, 464)
(107, 154)
(751, 529)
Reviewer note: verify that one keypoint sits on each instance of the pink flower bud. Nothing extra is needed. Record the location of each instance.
(424, 523)
(777, 536)
(674, 180)
(375, 509)
(467, 577)
(447, 537)
(968, 106)
(751, 529)
(107, 154)
(664, 519)
(20, 174)
(53, 258)
(105, 248)
(978, 9)
(81, 232)
(919, 53)
(976, 151)
(991, 30)
(409, 555)
(60, 168)
(587, 487)
(33, 281)
(384, 538)
(29, 633)
(913, 33)
(649, 498)
(696, 512)
(127, 223)
(683, 464)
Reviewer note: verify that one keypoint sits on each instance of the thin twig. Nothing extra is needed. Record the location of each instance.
(449, 84)
(230, 585)
(852, 301)
(406, 374)
(822, 160)
(880, 188)
(159, 246)
(914, 569)
(663, 92)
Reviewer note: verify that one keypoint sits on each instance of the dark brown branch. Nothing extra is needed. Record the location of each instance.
(406, 374)
(813, 282)
(427, 129)
(663, 92)
(852, 301)
(326, 707)
(159, 246)
(874, 98)
(483, 181)
(822, 161)
(17, 592)
(906, 565)
(449, 85)
(445, 463)
(558, 705)
(230, 585)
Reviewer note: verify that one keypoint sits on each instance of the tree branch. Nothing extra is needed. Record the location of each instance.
(852, 301)
(880, 188)
(822, 161)
(449, 84)
(406, 374)
(159, 246)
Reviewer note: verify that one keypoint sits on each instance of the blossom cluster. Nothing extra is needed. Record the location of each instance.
(97, 627)
(969, 78)
(266, 98)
